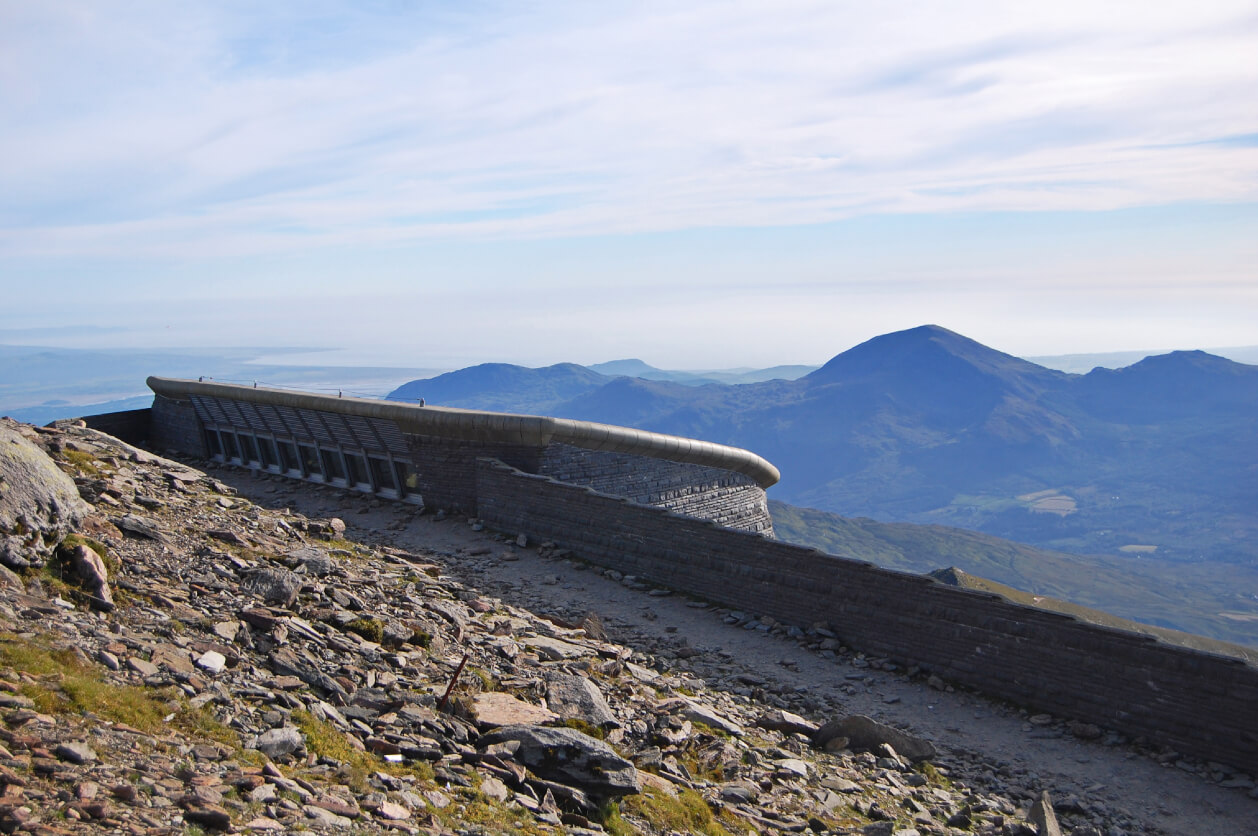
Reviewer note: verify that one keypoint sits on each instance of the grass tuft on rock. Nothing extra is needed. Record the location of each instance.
(327, 741)
(370, 629)
(62, 682)
(82, 461)
(687, 813)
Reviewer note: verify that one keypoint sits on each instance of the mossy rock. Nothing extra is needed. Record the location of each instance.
(370, 629)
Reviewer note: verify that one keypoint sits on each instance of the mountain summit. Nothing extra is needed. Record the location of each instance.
(929, 353)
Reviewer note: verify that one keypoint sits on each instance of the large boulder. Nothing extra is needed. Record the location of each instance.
(273, 585)
(865, 734)
(39, 505)
(574, 697)
(93, 576)
(569, 757)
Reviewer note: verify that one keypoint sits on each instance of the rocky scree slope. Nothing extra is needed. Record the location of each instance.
(252, 669)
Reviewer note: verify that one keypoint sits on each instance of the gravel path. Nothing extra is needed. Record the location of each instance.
(985, 741)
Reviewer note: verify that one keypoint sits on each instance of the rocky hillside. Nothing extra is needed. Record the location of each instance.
(178, 658)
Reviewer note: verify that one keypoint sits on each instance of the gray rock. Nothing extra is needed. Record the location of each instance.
(699, 713)
(778, 719)
(878, 828)
(76, 751)
(277, 743)
(741, 792)
(93, 575)
(575, 697)
(494, 788)
(569, 757)
(315, 561)
(10, 579)
(142, 666)
(866, 734)
(141, 527)
(208, 816)
(1043, 817)
(212, 661)
(39, 504)
(273, 586)
(15, 553)
(285, 661)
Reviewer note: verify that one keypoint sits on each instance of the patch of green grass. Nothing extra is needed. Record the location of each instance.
(687, 812)
(327, 741)
(476, 809)
(65, 685)
(369, 628)
(356, 550)
(927, 769)
(609, 817)
(82, 461)
(585, 727)
(487, 681)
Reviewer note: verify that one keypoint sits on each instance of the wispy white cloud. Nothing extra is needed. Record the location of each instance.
(157, 129)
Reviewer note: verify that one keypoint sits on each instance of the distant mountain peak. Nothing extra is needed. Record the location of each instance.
(631, 367)
(928, 351)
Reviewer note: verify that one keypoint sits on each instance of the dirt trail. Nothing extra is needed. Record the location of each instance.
(985, 741)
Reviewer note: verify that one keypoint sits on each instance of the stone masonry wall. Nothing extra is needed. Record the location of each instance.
(445, 468)
(709, 493)
(1195, 702)
(174, 425)
(434, 450)
(131, 425)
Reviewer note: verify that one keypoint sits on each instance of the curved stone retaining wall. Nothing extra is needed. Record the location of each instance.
(429, 453)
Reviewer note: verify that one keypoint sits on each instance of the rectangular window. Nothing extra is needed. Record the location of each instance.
(229, 445)
(332, 463)
(288, 456)
(248, 448)
(266, 448)
(357, 470)
(310, 461)
(216, 446)
(380, 474)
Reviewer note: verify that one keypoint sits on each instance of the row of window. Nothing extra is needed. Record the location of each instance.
(302, 460)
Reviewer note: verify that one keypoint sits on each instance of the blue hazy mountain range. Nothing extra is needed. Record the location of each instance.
(927, 426)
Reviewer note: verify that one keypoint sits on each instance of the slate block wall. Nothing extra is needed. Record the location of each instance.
(174, 425)
(1194, 702)
(709, 493)
(445, 469)
(131, 425)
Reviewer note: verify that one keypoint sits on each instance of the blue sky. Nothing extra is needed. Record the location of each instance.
(699, 185)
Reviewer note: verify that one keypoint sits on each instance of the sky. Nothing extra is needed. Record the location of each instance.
(700, 185)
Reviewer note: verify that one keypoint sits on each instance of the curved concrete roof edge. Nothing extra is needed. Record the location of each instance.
(507, 428)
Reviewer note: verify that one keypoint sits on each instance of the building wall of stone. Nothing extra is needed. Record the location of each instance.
(443, 466)
(709, 493)
(174, 425)
(131, 425)
(1194, 702)
(445, 469)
